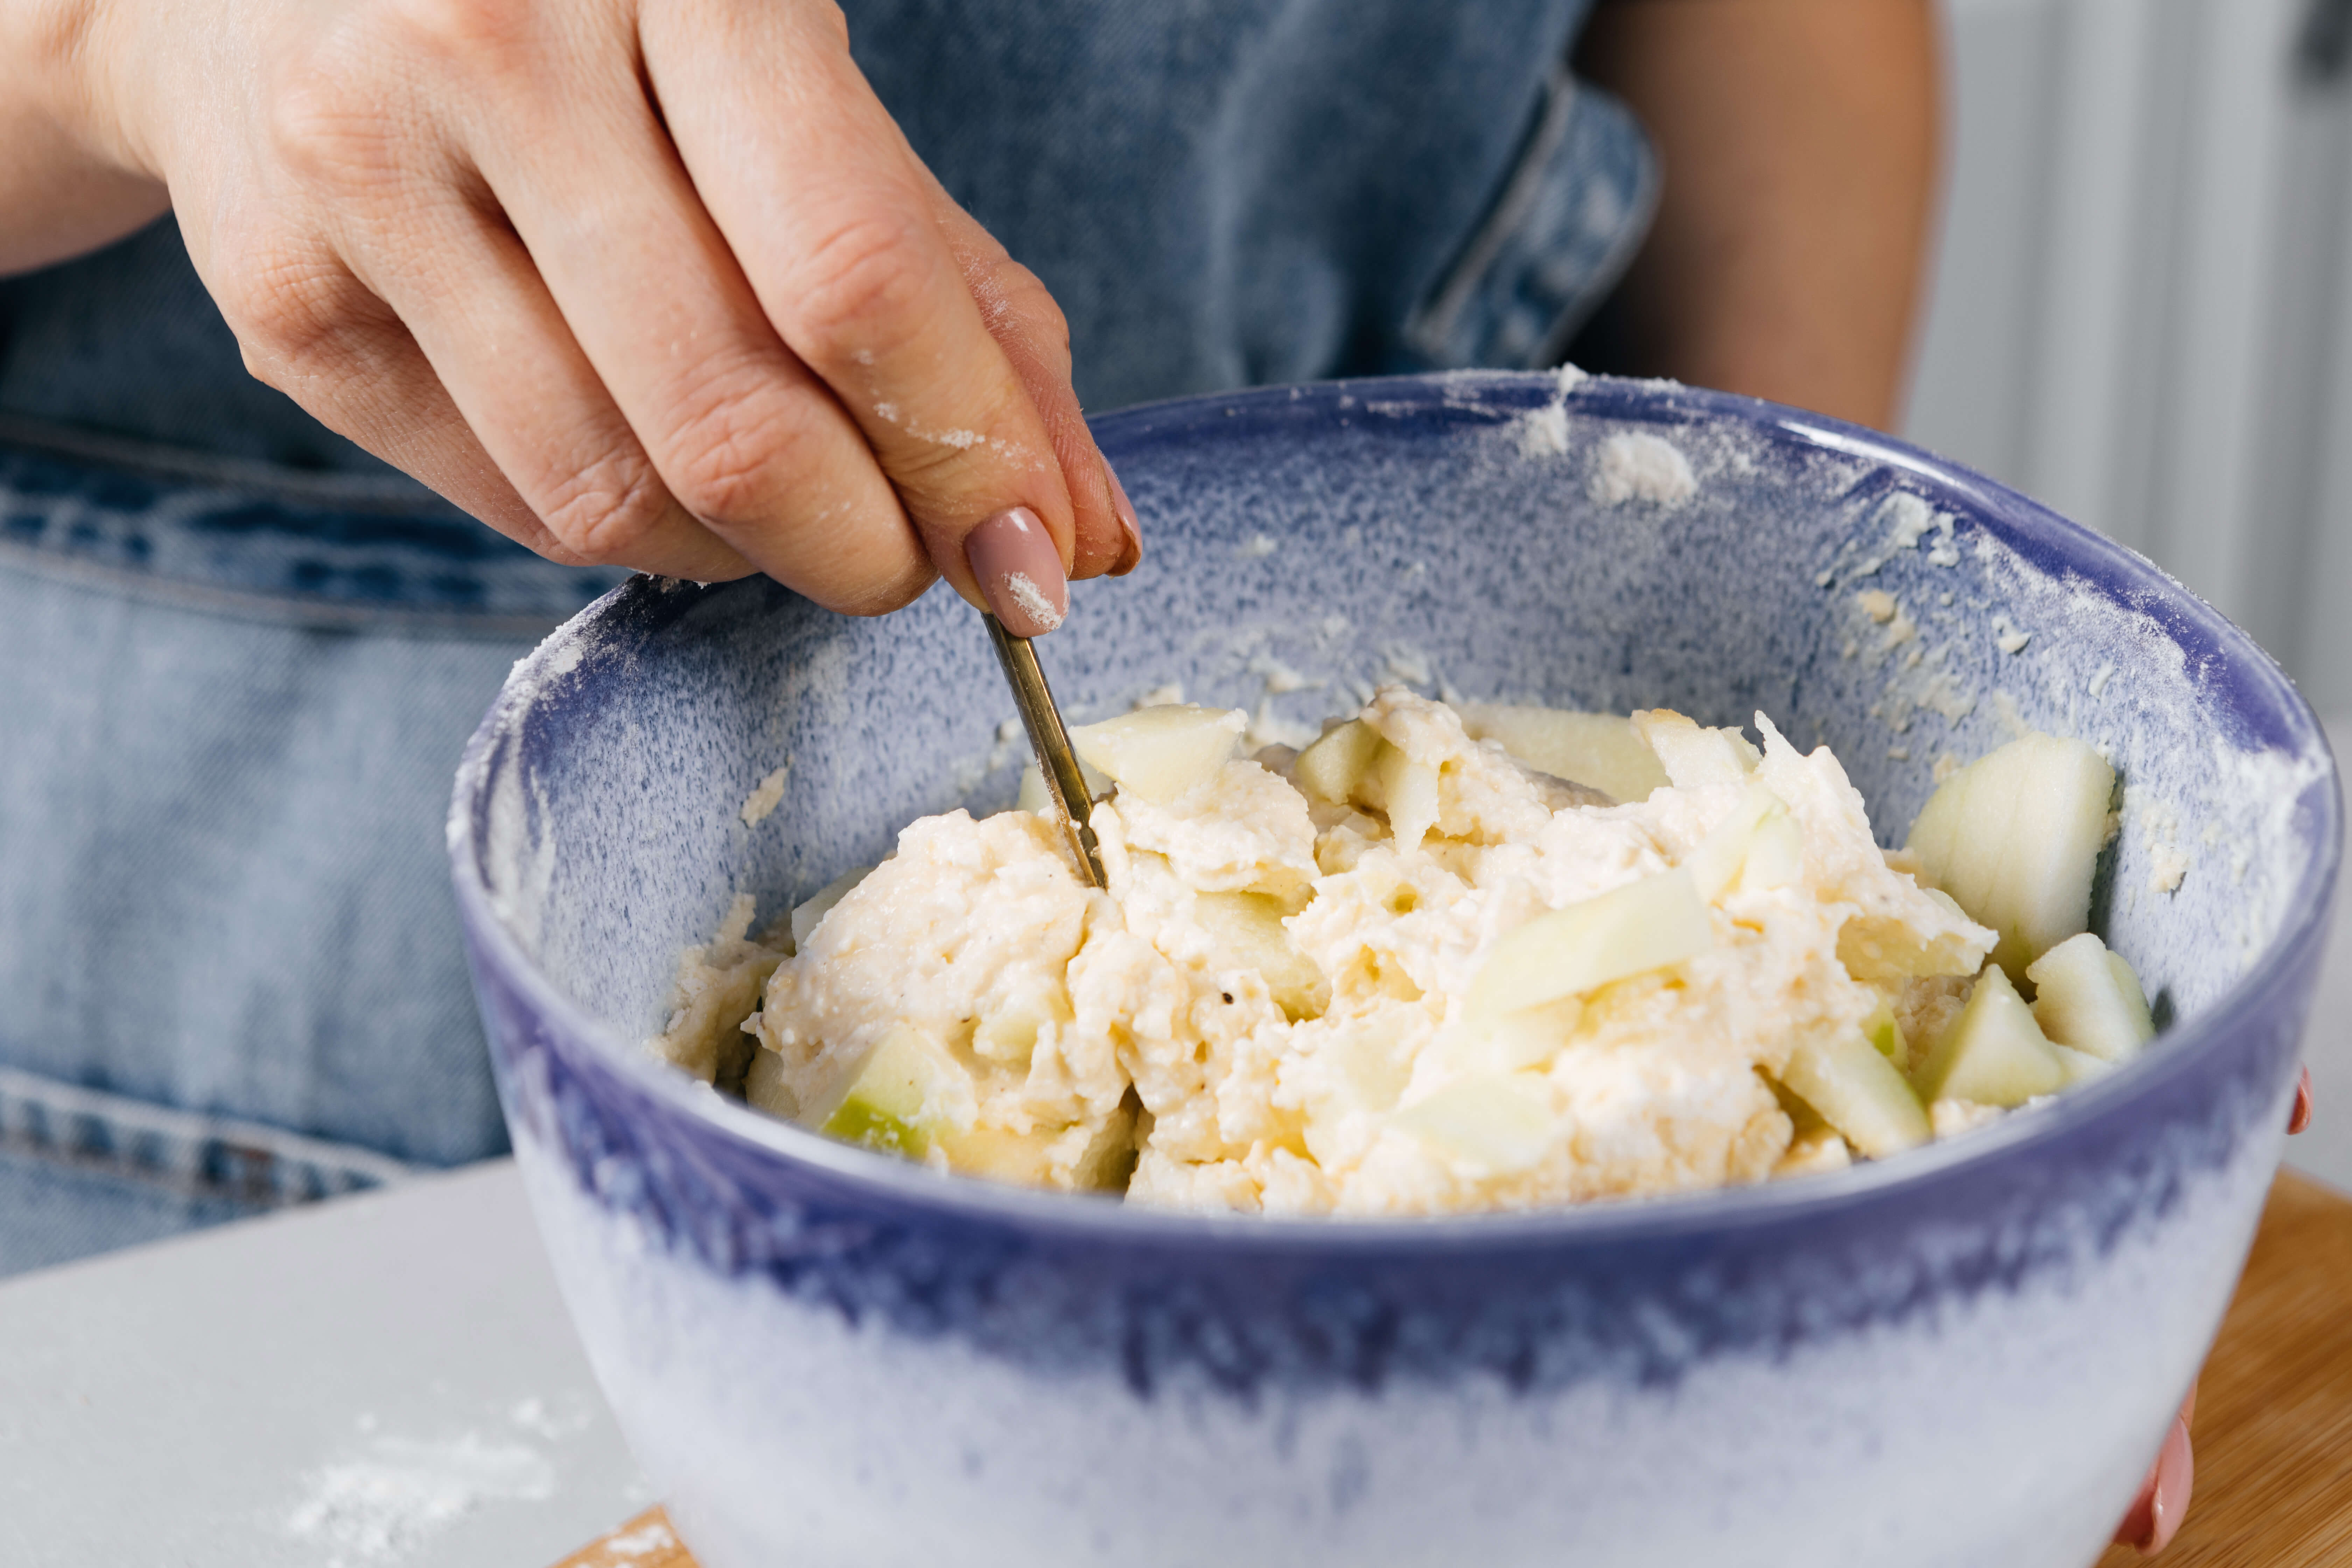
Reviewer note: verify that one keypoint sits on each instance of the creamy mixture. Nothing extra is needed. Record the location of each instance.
(1407, 973)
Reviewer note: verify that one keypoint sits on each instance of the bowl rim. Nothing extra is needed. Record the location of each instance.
(603, 1050)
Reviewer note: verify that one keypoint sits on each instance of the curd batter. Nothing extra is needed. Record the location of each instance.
(1335, 983)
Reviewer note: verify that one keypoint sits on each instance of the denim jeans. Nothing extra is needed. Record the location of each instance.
(241, 654)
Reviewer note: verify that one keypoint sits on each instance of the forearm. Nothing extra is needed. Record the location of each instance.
(61, 191)
(1800, 140)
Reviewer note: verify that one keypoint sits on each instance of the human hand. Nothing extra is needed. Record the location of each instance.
(655, 284)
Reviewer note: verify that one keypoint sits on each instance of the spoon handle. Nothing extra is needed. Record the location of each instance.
(1051, 741)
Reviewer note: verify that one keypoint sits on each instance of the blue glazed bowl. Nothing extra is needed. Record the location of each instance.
(1966, 1355)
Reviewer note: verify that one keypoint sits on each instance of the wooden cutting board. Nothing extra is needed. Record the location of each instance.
(2274, 1426)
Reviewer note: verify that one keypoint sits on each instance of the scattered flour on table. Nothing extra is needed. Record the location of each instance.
(1637, 465)
(1257, 547)
(382, 1506)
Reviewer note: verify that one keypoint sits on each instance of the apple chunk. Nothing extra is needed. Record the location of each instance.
(1499, 1124)
(1858, 1091)
(2014, 838)
(1159, 754)
(1248, 928)
(1599, 750)
(806, 914)
(1627, 930)
(1405, 791)
(1333, 766)
(2088, 998)
(908, 1091)
(1691, 754)
(1994, 1053)
(1757, 847)
(1033, 799)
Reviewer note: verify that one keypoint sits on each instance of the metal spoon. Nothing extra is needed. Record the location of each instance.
(1050, 738)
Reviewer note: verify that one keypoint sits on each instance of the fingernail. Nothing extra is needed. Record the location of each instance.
(1132, 552)
(2300, 1117)
(1019, 572)
(2176, 1474)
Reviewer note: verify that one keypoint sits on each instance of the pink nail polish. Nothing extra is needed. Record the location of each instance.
(2176, 1475)
(1019, 572)
(2300, 1117)
(1132, 552)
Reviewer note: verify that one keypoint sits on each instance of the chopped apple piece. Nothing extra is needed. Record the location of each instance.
(1599, 750)
(1108, 1157)
(1406, 791)
(1513, 1042)
(2080, 1066)
(806, 915)
(1878, 947)
(908, 1093)
(1858, 1091)
(1248, 927)
(1159, 754)
(1885, 1032)
(1994, 1053)
(1758, 846)
(1333, 766)
(2014, 836)
(1627, 930)
(1033, 799)
(765, 1087)
(1814, 1152)
(1694, 756)
(2088, 998)
(1010, 1034)
(1498, 1124)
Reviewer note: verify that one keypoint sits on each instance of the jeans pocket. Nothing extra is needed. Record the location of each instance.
(1558, 235)
(83, 1171)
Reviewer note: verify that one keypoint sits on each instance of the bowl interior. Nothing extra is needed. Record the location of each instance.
(1490, 537)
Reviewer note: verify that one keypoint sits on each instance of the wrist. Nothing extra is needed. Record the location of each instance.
(72, 180)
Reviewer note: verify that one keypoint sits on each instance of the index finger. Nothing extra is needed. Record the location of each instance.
(826, 209)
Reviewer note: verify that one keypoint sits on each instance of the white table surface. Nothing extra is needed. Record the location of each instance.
(382, 1379)
(391, 1379)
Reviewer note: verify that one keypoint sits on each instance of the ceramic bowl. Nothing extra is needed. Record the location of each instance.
(1966, 1355)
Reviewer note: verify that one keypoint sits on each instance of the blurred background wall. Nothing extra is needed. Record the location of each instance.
(2143, 309)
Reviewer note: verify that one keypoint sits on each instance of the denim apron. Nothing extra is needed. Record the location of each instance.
(240, 655)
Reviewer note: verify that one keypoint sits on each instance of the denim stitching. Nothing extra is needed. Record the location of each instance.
(348, 552)
(205, 1156)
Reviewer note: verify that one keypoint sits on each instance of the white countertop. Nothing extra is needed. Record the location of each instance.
(391, 1379)
(382, 1379)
